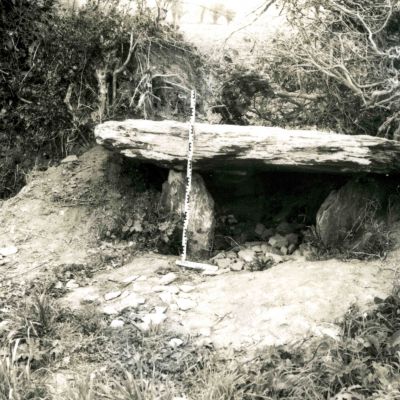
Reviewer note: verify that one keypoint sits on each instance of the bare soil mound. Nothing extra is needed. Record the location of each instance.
(60, 215)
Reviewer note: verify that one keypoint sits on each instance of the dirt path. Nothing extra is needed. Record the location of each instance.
(58, 217)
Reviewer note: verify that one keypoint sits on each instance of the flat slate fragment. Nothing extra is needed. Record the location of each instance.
(164, 143)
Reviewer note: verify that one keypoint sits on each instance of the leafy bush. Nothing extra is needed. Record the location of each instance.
(63, 72)
(334, 66)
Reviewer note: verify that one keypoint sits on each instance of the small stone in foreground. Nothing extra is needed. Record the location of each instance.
(58, 285)
(109, 310)
(211, 271)
(247, 255)
(260, 228)
(278, 241)
(112, 295)
(154, 319)
(130, 279)
(160, 309)
(89, 299)
(292, 238)
(237, 266)
(186, 288)
(285, 228)
(169, 278)
(71, 284)
(219, 256)
(284, 250)
(133, 300)
(185, 304)
(70, 159)
(174, 343)
(4, 325)
(117, 323)
(8, 251)
(223, 262)
(172, 289)
(166, 297)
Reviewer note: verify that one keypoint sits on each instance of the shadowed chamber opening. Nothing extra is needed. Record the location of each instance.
(254, 206)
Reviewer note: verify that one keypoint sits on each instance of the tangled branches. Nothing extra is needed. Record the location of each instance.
(348, 52)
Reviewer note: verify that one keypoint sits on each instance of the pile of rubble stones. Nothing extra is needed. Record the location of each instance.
(276, 245)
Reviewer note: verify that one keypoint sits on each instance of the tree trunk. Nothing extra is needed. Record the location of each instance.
(101, 75)
(227, 146)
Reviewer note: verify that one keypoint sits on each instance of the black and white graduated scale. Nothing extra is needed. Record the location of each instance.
(189, 173)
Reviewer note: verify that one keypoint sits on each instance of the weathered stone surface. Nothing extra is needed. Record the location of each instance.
(292, 238)
(202, 218)
(223, 262)
(278, 241)
(247, 255)
(259, 229)
(168, 278)
(70, 159)
(185, 304)
(237, 266)
(112, 295)
(8, 251)
(117, 323)
(346, 211)
(284, 228)
(71, 284)
(186, 288)
(165, 143)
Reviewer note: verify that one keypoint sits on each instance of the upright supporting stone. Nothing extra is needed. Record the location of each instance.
(202, 220)
(346, 215)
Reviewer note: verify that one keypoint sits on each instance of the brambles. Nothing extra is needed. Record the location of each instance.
(61, 73)
(338, 66)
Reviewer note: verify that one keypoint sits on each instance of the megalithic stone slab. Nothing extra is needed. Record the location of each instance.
(164, 143)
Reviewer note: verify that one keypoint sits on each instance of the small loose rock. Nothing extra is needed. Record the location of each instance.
(237, 266)
(247, 255)
(174, 343)
(186, 288)
(117, 323)
(70, 159)
(185, 304)
(8, 251)
(154, 319)
(166, 297)
(223, 262)
(72, 284)
(130, 279)
(89, 299)
(112, 295)
(169, 278)
(109, 310)
(278, 241)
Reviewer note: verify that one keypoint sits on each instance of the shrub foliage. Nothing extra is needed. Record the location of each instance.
(62, 71)
(333, 65)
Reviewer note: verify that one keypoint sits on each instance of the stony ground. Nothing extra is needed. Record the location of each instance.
(285, 304)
